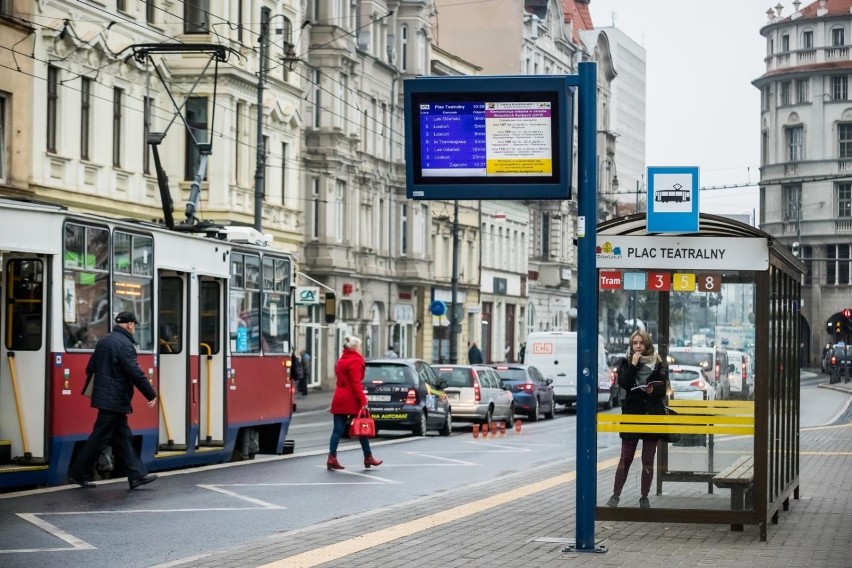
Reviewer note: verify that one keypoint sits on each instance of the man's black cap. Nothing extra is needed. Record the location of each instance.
(126, 317)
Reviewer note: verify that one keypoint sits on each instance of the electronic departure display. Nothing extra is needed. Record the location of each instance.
(488, 138)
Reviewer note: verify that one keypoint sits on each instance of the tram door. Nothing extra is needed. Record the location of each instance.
(212, 363)
(172, 338)
(23, 352)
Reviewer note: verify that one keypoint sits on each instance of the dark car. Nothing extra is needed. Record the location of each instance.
(840, 363)
(405, 394)
(532, 392)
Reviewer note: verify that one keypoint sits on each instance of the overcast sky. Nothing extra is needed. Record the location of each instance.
(702, 109)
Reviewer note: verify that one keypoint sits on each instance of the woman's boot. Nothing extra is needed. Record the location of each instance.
(332, 463)
(370, 460)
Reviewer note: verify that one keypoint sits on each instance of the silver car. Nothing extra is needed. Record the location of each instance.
(476, 394)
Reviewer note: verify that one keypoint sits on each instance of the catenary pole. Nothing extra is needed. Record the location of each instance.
(259, 189)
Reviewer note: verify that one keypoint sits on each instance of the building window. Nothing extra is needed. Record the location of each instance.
(844, 200)
(785, 93)
(839, 88)
(52, 106)
(315, 208)
(802, 91)
(340, 211)
(117, 98)
(196, 133)
(317, 97)
(121, 5)
(403, 49)
(196, 16)
(795, 138)
(149, 11)
(285, 150)
(785, 43)
(545, 235)
(792, 201)
(808, 39)
(764, 98)
(838, 37)
(85, 116)
(4, 128)
(838, 264)
(403, 230)
(844, 140)
(6, 7)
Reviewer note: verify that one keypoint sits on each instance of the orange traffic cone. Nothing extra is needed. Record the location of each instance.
(476, 430)
(493, 429)
(518, 426)
(484, 430)
(502, 429)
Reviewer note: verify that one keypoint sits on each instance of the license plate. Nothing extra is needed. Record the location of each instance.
(453, 395)
(378, 397)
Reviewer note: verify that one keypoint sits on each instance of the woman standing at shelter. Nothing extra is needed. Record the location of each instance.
(348, 399)
(643, 376)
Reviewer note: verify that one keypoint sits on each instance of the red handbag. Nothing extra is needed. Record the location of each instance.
(363, 425)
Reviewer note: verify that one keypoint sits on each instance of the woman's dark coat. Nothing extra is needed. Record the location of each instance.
(638, 401)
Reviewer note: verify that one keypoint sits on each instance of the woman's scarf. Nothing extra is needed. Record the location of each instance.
(647, 363)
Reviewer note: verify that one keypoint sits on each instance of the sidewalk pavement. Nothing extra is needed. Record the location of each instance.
(527, 521)
(316, 401)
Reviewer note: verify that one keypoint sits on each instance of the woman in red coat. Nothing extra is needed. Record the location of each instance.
(348, 400)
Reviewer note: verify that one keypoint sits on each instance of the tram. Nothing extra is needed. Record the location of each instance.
(215, 338)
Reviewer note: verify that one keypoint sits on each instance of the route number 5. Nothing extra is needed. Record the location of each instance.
(683, 282)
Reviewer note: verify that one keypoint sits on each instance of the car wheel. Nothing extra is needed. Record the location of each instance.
(489, 417)
(510, 418)
(535, 413)
(551, 413)
(420, 427)
(447, 428)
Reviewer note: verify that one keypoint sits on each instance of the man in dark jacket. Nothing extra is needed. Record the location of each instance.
(115, 371)
(474, 355)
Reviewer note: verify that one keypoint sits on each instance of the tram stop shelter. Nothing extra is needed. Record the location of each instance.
(730, 452)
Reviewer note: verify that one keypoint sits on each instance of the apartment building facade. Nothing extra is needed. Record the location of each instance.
(806, 154)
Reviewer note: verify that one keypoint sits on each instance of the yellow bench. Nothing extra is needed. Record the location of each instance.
(733, 417)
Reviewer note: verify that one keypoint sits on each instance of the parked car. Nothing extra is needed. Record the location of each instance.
(532, 392)
(739, 374)
(476, 393)
(405, 394)
(690, 383)
(713, 360)
(840, 363)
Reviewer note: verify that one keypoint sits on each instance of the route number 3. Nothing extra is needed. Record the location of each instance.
(709, 282)
(659, 281)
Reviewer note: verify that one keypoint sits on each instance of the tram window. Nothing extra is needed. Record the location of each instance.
(244, 304)
(210, 316)
(170, 318)
(133, 258)
(85, 292)
(24, 304)
(276, 305)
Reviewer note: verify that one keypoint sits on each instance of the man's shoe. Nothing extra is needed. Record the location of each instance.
(145, 480)
(613, 501)
(644, 503)
(84, 483)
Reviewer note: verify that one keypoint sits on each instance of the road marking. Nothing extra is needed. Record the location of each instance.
(53, 530)
(345, 548)
(219, 489)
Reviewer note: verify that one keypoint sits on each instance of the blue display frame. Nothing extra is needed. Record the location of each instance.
(463, 91)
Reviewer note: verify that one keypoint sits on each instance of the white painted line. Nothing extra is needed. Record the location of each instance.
(263, 504)
(53, 530)
(371, 477)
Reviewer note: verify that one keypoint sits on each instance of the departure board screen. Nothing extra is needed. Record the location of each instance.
(486, 139)
(471, 144)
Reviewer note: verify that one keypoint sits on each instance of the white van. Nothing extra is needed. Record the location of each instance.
(555, 355)
(713, 360)
(739, 374)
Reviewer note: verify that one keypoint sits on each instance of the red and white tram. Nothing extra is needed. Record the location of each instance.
(215, 337)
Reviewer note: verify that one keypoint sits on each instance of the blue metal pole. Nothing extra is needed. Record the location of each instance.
(587, 309)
